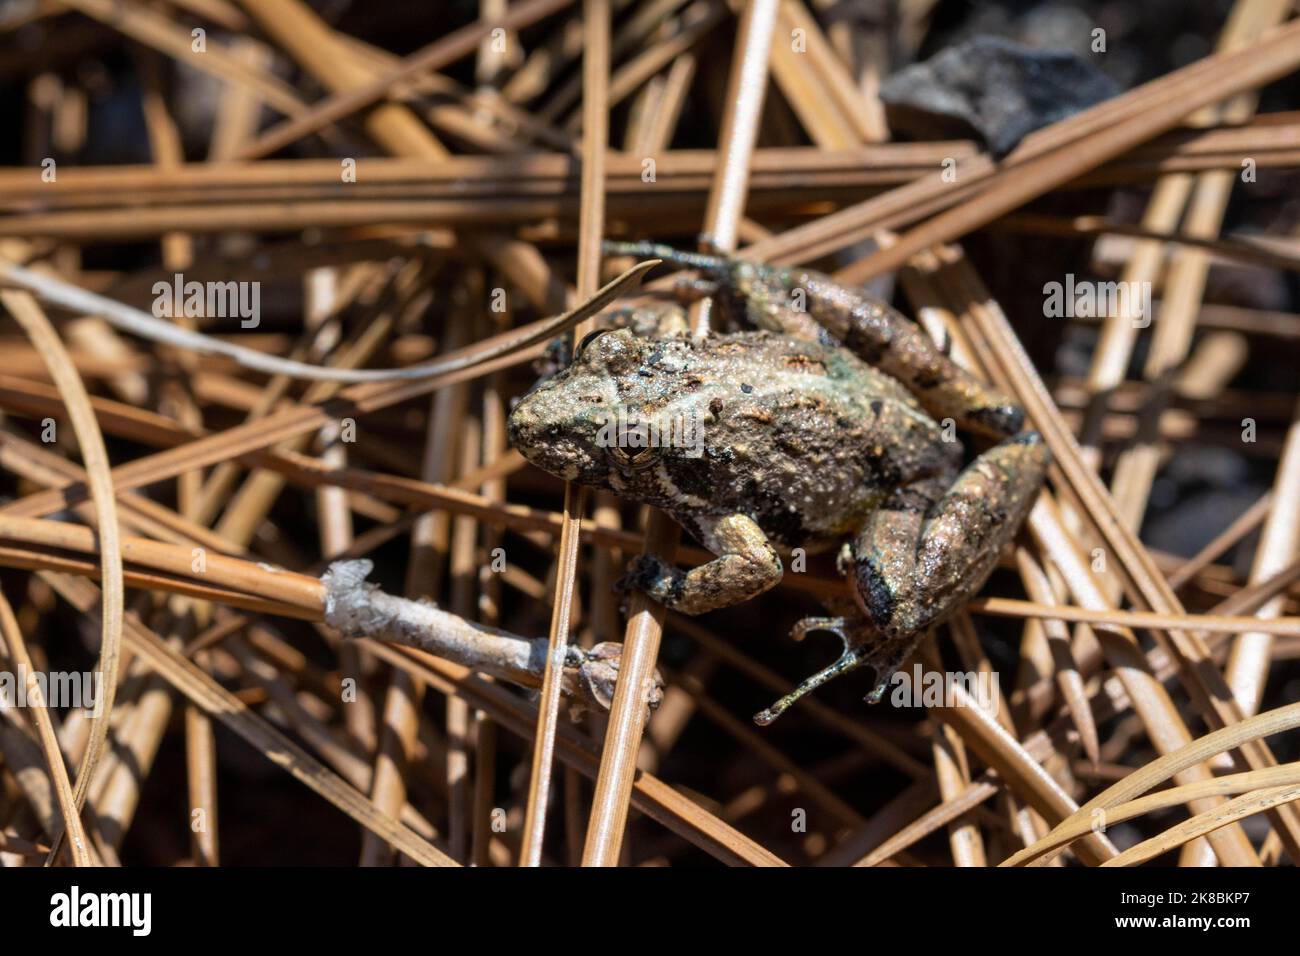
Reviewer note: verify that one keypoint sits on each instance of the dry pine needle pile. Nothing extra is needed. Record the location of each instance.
(275, 587)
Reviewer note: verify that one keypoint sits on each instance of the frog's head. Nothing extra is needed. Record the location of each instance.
(570, 424)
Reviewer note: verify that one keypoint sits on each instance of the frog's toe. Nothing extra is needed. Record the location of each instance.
(844, 559)
(851, 659)
(640, 574)
(885, 670)
(653, 576)
(833, 625)
(855, 654)
(862, 645)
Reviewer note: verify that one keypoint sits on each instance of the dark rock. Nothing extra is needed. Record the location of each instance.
(991, 88)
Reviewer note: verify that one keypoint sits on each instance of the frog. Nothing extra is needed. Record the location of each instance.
(826, 420)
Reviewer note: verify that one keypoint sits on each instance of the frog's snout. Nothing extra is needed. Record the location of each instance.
(542, 429)
(528, 432)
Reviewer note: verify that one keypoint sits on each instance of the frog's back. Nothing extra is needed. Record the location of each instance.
(805, 438)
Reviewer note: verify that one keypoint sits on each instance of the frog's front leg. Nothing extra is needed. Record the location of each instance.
(746, 565)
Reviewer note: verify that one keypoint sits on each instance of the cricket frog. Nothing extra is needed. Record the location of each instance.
(796, 434)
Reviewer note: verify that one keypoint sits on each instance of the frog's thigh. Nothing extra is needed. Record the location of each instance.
(885, 556)
(897, 345)
(747, 565)
(904, 588)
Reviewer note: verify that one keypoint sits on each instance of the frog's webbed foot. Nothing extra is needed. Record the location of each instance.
(862, 645)
(746, 565)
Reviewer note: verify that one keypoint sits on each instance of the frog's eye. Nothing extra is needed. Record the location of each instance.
(634, 459)
(587, 340)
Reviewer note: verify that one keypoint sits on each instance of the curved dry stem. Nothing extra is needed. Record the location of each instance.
(1246, 805)
(99, 478)
(136, 322)
(1160, 770)
(1215, 787)
(46, 736)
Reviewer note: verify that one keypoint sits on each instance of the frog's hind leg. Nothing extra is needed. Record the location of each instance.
(919, 560)
(927, 548)
(894, 529)
(890, 341)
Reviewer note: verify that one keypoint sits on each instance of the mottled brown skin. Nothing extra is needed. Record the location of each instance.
(810, 433)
